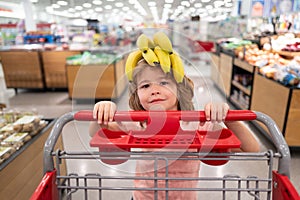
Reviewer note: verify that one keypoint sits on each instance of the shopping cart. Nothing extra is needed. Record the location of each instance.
(119, 147)
(198, 50)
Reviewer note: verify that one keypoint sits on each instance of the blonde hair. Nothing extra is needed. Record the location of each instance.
(185, 89)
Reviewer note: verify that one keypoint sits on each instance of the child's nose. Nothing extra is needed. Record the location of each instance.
(155, 89)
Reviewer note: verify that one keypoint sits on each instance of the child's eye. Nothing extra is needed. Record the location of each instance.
(144, 86)
(164, 83)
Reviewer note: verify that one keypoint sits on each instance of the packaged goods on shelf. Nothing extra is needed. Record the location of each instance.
(5, 152)
(18, 128)
(27, 124)
(7, 130)
(16, 140)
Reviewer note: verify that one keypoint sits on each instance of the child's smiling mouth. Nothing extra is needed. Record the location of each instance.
(156, 100)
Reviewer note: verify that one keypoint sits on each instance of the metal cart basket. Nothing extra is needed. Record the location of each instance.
(119, 147)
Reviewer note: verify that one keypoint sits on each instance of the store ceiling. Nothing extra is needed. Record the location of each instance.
(136, 10)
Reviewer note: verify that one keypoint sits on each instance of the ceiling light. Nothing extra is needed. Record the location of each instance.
(98, 9)
(151, 3)
(55, 6)
(198, 5)
(125, 8)
(209, 7)
(119, 4)
(78, 8)
(87, 5)
(97, 2)
(49, 9)
(110, 0)
(167, 6)
(205, 1)
(108, 7)
(169, 1)
(186, 3)
(218, 3)
(132, 1)
(71, 10)
(201, 10)
(180, 7)
(192, 10)
(62, 3)
(228, 5)
(34, 1)
(90, 11)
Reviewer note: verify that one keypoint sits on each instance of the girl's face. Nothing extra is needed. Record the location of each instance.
(155, 90)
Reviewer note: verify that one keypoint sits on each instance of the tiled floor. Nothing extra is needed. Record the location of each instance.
(52, 104)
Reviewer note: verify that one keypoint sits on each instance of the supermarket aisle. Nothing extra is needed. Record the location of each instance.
(75, 135)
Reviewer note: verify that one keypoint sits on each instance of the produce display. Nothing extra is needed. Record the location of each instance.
(233, 43)
(88, 58)
(287, 42)
(272, 64)
(17, 128)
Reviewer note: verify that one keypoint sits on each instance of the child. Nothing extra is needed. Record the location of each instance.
(153, 89)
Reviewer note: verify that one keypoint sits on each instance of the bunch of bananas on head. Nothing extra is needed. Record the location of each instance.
(158, 51)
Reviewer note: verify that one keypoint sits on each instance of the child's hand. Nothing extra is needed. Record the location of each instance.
(104, 112)
(216, 112)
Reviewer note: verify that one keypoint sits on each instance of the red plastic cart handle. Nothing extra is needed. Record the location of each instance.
(233, 115)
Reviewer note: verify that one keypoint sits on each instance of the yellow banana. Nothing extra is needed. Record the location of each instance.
(162, 40)
(142, 42)
(177, 67)
(151, 44)
(131, 63)
(150, 57)
(164, 59)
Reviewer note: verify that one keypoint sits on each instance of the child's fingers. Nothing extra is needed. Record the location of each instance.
(225, 110)
(207, 110)
(220, 113)
(95, 111)
(216, 112)
(100, 113)
(112, 112)
(213, 113)
(107, 113)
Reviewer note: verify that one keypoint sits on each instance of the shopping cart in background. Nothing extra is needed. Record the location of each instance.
(274, 184)
(195, 50)
(198, 49)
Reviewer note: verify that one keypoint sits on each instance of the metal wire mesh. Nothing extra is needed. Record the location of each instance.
(225, 186)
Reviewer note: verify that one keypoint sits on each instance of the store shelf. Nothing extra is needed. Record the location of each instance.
(22, 172)
(281, 103)
(226, 72)
(22, 69)
(54, 68)
(244, 65)
(288, 54)
(215, 69)
(96, 81)
(238, 104)
(241, 87)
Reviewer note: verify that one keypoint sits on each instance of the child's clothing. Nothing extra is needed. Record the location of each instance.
(176, 169)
